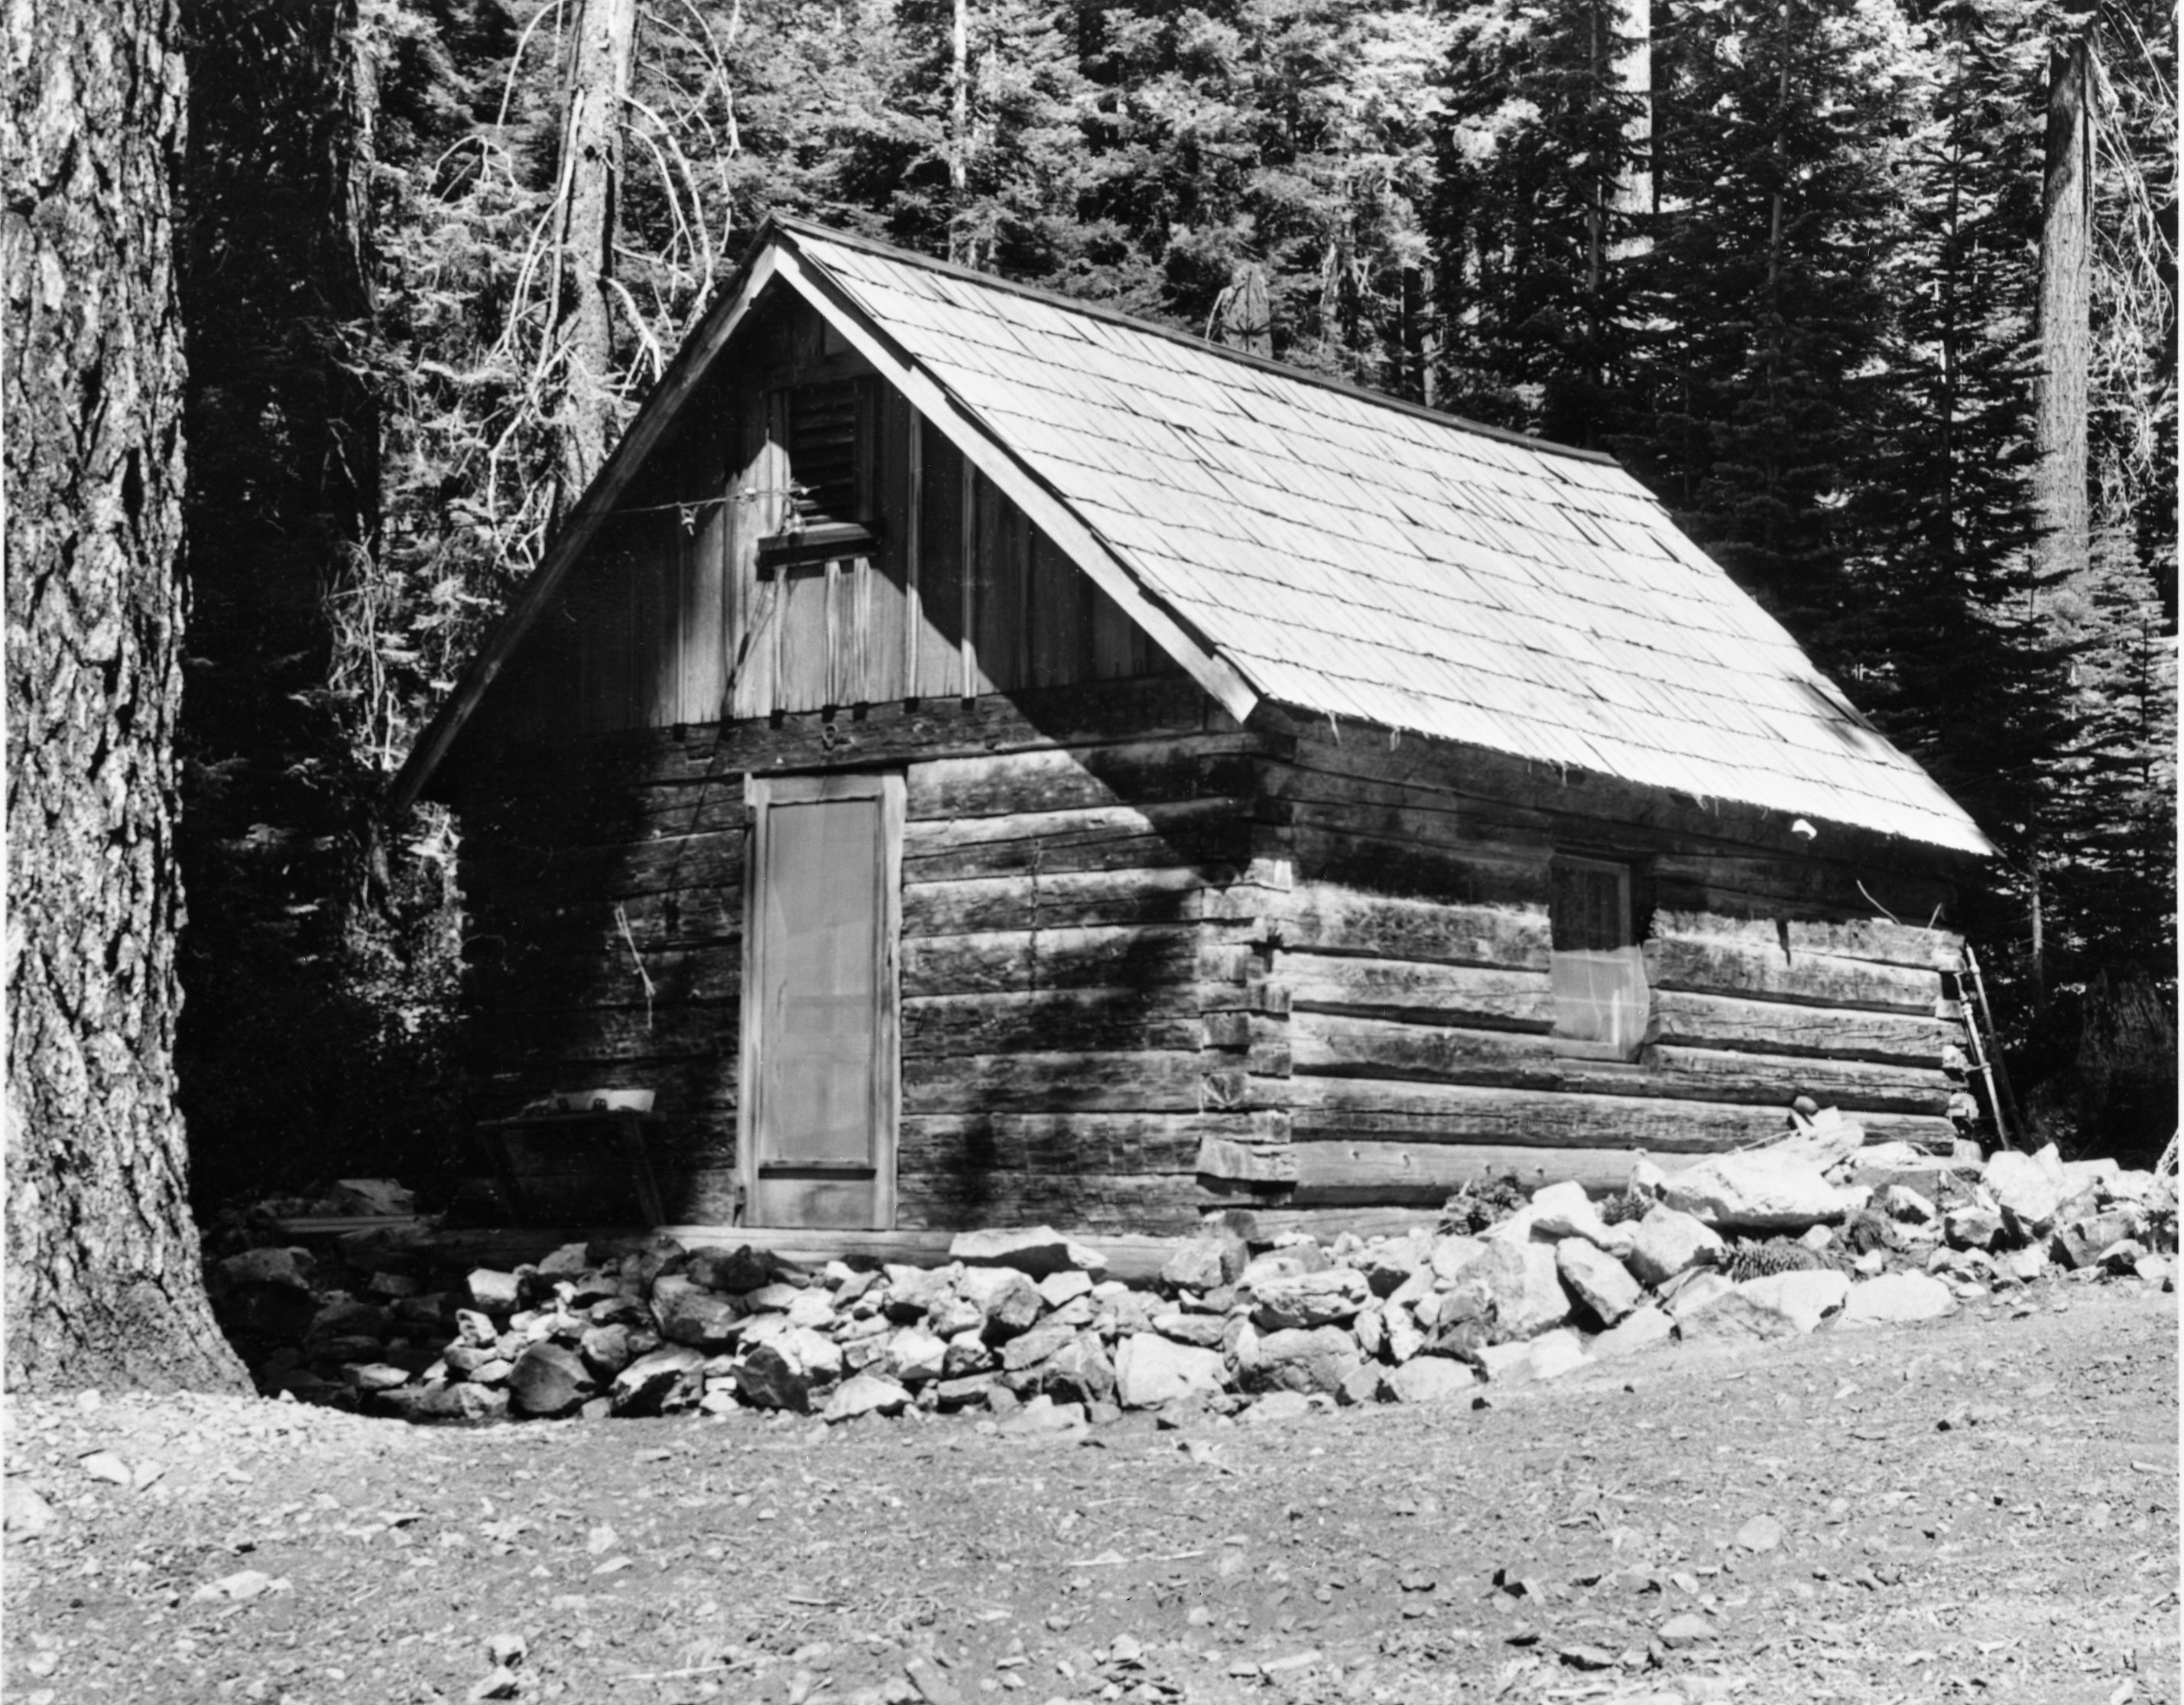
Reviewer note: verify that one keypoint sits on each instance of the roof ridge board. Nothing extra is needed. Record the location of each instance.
(1116, 318)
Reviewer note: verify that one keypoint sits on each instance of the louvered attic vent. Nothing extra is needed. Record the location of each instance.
(827, 429)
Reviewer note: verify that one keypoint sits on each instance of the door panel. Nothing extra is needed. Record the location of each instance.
(820, 1034)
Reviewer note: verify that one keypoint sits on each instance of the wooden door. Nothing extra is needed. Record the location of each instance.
(820, 1052)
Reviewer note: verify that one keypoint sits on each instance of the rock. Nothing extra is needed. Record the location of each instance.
(1029, 1349)
(566, 1262)
(1207, 1262)
(1597, 1279)
(473, 1329)
(494, 1291)
(1388, 1264)
(1079, 1373)
(1686, 1629)
(1973, 1225)
(1308, 1300)
(788, 1370)
(1762, 1190)
(1151, 1369)
(1565, 1211)
(478, 1403)
(1290, 1261)
(2079, 1243)
(2026, 1192)
(915, 1355)
(1007, 1303)
(341, 1319)
(1897, 1297)
(1453, 1253)
(1506, 1364)
(1406, 1337)
(1639, 1328)
(1300, 1360)
(968, 1352)
(1902, 1203)
(1526, 1290)
(648, 1384)
(1427, 1379)
(1556, 1353)
(732, 1270)
(1806, 1297)
(1666, 1242)
(813, 1309)
(952, 1395)
(1060, 1289)
(1042, 1414)
(25, 1513)
(932, 1683)
(547, 1379)
(245, 1584)
(1370, 1328)
(2122, 1256)
(688, 1313)
(1037, 1250)
(867, 1394)
(776, 1296)
(1278, 1405)
(1735, 1318)
(1760, 1533)
(1361, 1385)
(2024, 1265)
(2156, 1270)
(1203, 1331)
(606, 1350)
(275, 1314)
(2116, 1184)
(291, 1269)
(374, 1376)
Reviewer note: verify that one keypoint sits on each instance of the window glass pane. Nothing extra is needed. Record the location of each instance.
(1598, 971)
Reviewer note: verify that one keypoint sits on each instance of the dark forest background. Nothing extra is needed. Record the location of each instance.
(1786, 260)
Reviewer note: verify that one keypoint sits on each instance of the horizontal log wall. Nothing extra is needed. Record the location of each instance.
(1065, 915)
(1068, 861)
(1406, 992)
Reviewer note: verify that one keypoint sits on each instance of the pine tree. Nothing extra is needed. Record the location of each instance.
(1542, 147)
(1766, 316)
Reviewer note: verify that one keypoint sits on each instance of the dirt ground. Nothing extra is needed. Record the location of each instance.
(1983, 1507)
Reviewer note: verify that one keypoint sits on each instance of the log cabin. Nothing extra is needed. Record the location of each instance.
(977, 759)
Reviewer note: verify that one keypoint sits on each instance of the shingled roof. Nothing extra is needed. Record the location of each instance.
(1367, 561)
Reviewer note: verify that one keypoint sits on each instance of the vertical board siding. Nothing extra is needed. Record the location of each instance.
(940, 567)
(668, 618)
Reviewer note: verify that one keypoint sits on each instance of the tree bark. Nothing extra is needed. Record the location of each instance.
(2065, 316)
(596, 91)
(103, 1284)
(1634, 71)
(959, 123)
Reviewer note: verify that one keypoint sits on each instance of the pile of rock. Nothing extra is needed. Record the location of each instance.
(1761, 1245)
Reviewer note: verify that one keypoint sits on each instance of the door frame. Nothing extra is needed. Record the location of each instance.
(760, 794)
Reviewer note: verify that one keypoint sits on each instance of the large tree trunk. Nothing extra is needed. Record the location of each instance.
(2063, 551)
(2065, 316)
(597, 91)
(1634, 71)
(103, 1285)
(959, 124)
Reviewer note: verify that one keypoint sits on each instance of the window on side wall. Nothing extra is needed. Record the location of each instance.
(1598, 970)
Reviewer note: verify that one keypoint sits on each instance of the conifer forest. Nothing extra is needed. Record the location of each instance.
(1879, 297)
